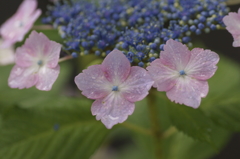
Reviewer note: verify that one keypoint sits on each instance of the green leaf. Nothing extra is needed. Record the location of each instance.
(192, 122)
(223, 104)
(59, 128)
(227, 114)
(223, 84)
(181, 146)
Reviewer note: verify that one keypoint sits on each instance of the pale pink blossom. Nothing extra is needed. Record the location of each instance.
(15, 28)
(182, 73)
(116, 86)
(232, 22)
(6, 54)
(36, 63)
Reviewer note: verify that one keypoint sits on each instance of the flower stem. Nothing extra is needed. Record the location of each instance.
(232, 2)
(65, 58)
(136, 128)
(155, 124)
(42, 27)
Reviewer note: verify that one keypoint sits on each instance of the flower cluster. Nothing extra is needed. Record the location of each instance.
(138, 28)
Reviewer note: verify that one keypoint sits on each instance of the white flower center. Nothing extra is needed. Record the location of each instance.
(19, 24)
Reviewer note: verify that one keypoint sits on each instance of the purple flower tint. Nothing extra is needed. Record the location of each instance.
(232, 22)
(15, 28)
(36, 63)
(116, 86)
(182, 73)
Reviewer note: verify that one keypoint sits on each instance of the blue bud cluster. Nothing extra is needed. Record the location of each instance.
(138, 28)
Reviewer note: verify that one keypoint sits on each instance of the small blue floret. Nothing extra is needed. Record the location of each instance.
(182, 72)
(115, 88)
(74, 55)
(161, 47)
(40, 62)
(141, 64)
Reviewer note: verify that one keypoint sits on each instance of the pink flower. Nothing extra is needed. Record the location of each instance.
(15, 28)
(182, 73)
(6, 55)
(36, 63)
(116, 86)
(232, 22)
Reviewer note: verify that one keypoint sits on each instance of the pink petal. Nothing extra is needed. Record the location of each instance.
(93, 83)
(232, 22)
(22, 77)
(112, 110)
(175, 55)
(202, 64)
(188, 91)
(15, 28)
(137, 85)
(164, 77)
(7, 55)
(40, 47)
(236, 42)
(116, 66)
(47, 76)
(25, 56)
(27, 7)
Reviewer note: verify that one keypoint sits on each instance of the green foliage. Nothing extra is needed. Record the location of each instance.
(62, 128)
(41, 125)
(191, 121)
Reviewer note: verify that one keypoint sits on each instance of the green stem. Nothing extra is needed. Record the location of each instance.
(136, 128)
(155, 124)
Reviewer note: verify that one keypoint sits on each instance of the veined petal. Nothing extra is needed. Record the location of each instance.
(112, 109)
(23, 77)
(46, 50)
(46, 77)
(188, 91)
(116, 67)
(175, 55)
(25, 56)
(164, 77)
(137, 85)
(93, 83)
(202, 64)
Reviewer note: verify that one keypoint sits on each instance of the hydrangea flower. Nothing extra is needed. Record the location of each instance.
(116, 86)
(36, 63)
(182, 73)
(232, 22)
(20, 23)
(6, 54)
